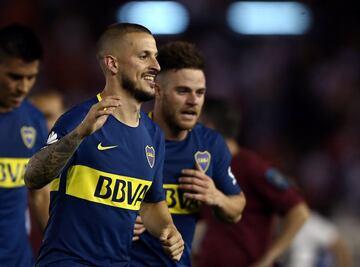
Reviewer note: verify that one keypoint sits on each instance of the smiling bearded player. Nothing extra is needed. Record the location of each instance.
(109, 158)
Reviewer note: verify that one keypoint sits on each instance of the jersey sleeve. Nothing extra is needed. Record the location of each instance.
(64, 125)
(274, 187)
(156, 192)
(223, 177)
(42, 133)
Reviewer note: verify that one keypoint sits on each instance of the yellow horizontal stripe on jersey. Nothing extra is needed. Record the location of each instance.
(54, 185)
(176, 201)
(12, 172)
(106, 188)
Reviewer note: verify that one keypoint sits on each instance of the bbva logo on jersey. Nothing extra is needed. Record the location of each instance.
(28, 135)
(12, 172)
(177, 202)
(203, 159)
(150, 155)
(106, 188)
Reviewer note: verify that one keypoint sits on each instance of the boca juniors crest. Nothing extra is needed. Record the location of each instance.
(203, 159)
(150, 155)
(28, 135)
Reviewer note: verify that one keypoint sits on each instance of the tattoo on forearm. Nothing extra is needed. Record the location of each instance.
(45, 165)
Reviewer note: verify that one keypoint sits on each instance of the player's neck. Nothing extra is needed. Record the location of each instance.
(172, 134)
(129, 109)
(5, 109)
(128, 115)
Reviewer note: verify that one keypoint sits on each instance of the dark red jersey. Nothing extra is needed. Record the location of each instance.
(267, 193)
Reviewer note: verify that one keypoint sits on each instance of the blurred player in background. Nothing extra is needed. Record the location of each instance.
(249, 243)
(51, 104)
(23, 132)
(319, 244)
(197, 162)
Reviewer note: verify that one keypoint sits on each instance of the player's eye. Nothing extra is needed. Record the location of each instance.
(15, 77)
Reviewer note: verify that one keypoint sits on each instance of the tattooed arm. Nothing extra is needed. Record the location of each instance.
(46, 165)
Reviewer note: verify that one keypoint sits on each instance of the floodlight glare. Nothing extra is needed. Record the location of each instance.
(161, 17)
(274, 18)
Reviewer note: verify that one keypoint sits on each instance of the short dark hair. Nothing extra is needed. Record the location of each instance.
(21, 42)
(114, 32)
(223, 115)
(180, 55)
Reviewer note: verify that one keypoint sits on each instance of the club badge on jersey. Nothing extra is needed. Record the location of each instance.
(28, 135)
(203, 158)
(150, 155)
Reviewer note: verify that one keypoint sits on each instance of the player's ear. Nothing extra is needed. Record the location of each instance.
(111, 63)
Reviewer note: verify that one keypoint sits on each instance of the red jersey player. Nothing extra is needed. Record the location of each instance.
(268, 193)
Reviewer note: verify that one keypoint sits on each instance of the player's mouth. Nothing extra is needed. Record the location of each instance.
(150, 78)
(189, 114)
(17, 99)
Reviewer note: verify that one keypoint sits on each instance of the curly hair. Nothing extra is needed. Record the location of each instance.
(180, 55)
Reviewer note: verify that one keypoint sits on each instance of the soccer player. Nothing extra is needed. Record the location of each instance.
(317, 238)
(268, 193)
(51, 104)
(196, 168)
(109, 160)
(23, 132)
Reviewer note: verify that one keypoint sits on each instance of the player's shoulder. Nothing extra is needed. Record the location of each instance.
(208, 135)
(77, 113)
(73, 117)
(32, 114)
(29, 109)
(254, 165)
(151, 126)
(250, 155)
(251, 158)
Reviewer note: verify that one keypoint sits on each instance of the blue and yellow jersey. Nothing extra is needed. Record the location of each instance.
(208, 148)
(23, 132)
(95, 200)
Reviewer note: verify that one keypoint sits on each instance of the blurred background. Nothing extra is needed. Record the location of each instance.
(297, 86)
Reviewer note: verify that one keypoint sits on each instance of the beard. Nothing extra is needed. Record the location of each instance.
(173, 122)
(137, 93)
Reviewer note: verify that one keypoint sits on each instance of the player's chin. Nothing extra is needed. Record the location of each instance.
(187, 125)
(16, 102)
(144, 95)
(149, 86)
(149, 91)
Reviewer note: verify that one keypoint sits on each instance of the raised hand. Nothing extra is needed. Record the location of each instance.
(97, 115)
